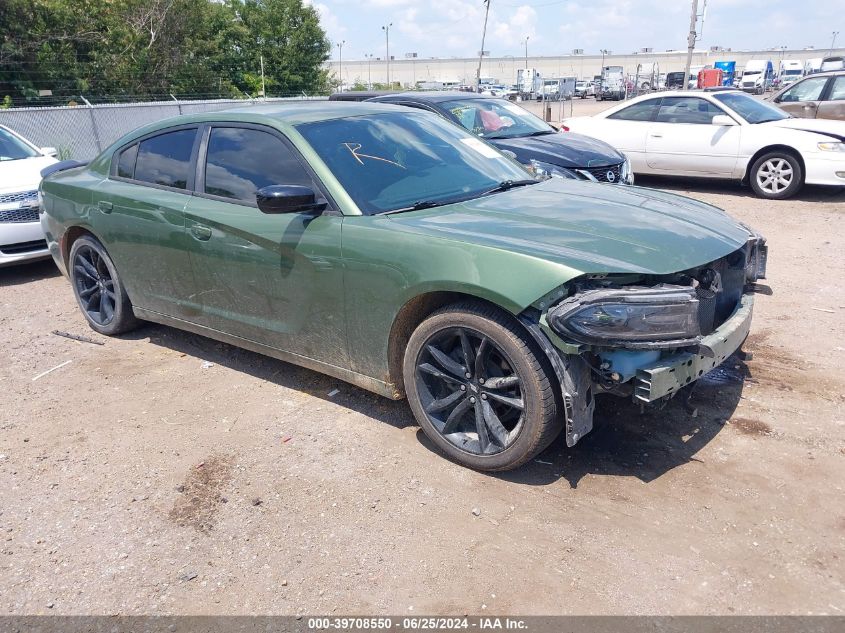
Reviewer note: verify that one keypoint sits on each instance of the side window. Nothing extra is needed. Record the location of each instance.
(807, 90)
(643, 111)
(166, 159)
(687, 110)
(241, 161)
(126, 162)
(837, 92)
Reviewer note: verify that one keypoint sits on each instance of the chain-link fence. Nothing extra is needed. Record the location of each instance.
(82, 132)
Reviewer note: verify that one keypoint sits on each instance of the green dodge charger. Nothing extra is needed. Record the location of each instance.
(393, 250)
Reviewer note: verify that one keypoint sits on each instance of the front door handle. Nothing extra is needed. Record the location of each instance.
(105, 206)
(201, 232)
(656, 136)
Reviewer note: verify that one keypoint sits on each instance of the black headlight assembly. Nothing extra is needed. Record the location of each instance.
(657, 317)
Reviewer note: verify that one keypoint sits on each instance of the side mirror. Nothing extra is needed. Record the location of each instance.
(288, 199)
(723, 119)
(49, 151)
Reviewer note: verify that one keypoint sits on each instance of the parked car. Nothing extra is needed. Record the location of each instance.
(584, 89)
(722, 134)
(21, 162)
(818, 96)
(533, 142)
(391, 249)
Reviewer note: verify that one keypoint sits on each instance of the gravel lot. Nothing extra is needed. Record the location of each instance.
(164, 473)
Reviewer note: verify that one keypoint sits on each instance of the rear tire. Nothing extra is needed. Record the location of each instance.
(98, 289)
(479, 388)
(776, 175)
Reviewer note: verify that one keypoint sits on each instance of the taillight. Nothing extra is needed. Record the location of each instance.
(563, 128)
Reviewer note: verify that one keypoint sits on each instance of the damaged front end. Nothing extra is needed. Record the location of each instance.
(645, 336)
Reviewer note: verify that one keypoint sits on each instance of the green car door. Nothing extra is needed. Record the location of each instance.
(139, 210)
(275, 279)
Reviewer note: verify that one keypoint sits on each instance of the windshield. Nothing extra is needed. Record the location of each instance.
(792, 72)
(751, 109)
(751, 72)
(496, 118)
(12, 148)
(387, 162)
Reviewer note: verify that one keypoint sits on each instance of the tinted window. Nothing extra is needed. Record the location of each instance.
(126, 163)
(807, 90)
(643, 111)
(166, 159)
(242, 161)
(393, 160)
(687, 110)
(837, 92)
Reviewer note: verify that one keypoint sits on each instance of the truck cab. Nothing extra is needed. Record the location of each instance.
(758, 76)
(790, 71)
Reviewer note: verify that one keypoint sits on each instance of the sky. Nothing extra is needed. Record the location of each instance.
(452, 28)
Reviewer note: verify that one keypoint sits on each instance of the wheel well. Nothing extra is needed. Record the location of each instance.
(70, 236)
(774, 148)
(409, 317)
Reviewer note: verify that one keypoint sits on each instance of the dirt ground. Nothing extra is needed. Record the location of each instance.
(164, 473)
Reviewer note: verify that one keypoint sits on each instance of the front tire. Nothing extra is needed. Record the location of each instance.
(776, 176)
(479, 388)
(98, 288)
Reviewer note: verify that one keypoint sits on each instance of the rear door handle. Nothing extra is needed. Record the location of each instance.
(105, 206)
(201, 232)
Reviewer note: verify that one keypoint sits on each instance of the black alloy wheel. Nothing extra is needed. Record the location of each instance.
(480, 387)
(98, 288)
(469, 391)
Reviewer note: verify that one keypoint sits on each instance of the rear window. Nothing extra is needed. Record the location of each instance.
(166, 159)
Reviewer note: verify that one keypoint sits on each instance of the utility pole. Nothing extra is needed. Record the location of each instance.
(690, 42)
(386, 30)
(481, 50)
(263, 93)
(340, 62)
(526, 50)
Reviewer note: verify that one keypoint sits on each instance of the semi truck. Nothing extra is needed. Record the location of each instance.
(529, 82)
(758, 76)
(790, 71)
(612, 84)
(728, 69)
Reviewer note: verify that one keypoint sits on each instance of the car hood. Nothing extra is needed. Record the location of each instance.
(565, 149)
(23, 174)
(827, 127)
(589, 227)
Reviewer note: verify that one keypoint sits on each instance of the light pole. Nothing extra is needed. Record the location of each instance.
(369, 58)
(526, 50)
(603, 52)
(386, 30)
(340, 61)
(832, 43)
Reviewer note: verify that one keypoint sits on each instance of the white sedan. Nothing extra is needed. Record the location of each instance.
(722, 134)
(21, 162)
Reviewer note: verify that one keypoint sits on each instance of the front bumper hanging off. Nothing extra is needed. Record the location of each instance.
(670, 374)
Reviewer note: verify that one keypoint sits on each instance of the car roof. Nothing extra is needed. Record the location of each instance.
(431, 96)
